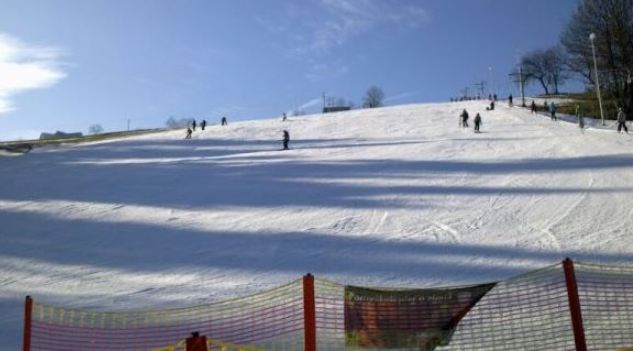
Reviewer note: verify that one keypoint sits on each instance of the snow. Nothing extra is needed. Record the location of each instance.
(397, 196)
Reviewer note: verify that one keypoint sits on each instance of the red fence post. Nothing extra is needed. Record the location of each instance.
(309, 313)
(574, 305)
(196, 342)
(28, 313)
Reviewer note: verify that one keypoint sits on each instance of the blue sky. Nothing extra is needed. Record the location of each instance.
(67, 64)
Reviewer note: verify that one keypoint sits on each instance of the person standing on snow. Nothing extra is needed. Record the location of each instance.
(189, 131)
(464, 116)
(621, 120)
(533, 107)
(224, 122)
(579, 118)
(203, 124)
(286, 140)
(552, 110)
(477, 122)
(193, 124)
(510, 100)
(284, 118)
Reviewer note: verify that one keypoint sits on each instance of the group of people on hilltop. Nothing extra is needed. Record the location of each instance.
(203, 124)
(464, 120)
(224, 122)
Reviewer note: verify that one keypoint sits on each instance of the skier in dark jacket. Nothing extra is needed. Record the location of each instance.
(193, 124)
(477, 122)
(464, 116)
(224, 122)
(552, 110)
(533, 107)
(189, 131)
(286, 140)
(621, 120)
(510, 100)
(203, 124)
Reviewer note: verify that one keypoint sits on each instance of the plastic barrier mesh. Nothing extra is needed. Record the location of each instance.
(268, 320)
(528, 312)
(606, 298)
(330, 314)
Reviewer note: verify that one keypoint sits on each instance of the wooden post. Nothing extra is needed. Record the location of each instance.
(28, 314)
(574, 305)
(196, 342)
(309, 313)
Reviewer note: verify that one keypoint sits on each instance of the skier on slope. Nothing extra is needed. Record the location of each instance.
(552, 110)
(203, 124)
(193, 124)
(477, 122)
(286, 140)
(284, 117)
(464, 116)
(621, 120)
(189, 131)
(510, 100)
(581, 121)
(533, 107)
(224, 122)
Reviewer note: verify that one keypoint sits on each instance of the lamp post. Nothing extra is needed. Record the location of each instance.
(592, 37)
(490, 83)
(520, 64)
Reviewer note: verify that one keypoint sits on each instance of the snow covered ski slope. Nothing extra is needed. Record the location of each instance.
(397, 196)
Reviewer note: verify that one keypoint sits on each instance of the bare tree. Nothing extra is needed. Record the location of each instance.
(173, 123)
(547, 67)
(612, 23)
(373, 97)
(95, 129)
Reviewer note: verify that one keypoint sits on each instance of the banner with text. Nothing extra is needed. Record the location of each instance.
(414, 319)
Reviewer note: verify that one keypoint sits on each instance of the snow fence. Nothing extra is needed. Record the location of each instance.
(561, 307)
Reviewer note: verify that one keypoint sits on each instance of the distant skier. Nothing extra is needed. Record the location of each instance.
(224, 122)
(464, 116)
(286, 140)
(203, 124)
(621, 120)
(510, 100)
(533, 107)
(193, 124)
(477, 122)
(189, 132)
(552, 111)
(581, 120)
(284, 118)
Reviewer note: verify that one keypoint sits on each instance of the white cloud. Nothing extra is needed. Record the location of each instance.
(346, 19)
(25, 67)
